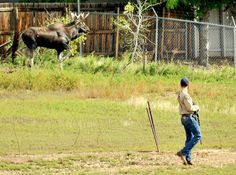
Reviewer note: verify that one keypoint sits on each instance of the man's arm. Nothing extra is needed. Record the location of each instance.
(189, 104)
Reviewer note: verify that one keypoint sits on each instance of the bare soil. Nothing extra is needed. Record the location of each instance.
(113, 161)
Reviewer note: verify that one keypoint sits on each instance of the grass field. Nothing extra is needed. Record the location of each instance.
(85, 122)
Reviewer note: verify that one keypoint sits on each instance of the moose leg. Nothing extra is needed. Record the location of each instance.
(60, 58)
(31, 57)
(67, 55)
(67, 48)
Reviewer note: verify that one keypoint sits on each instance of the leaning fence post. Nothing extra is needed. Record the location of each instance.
(152, 125)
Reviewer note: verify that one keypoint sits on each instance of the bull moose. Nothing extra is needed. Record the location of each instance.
(55, 36)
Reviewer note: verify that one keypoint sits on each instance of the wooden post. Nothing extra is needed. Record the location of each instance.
(117, 36)
(65, 11)
(34, 18)
(80, 43)
(17, 24)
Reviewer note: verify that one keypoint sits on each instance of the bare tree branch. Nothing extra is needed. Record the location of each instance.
(137, 27)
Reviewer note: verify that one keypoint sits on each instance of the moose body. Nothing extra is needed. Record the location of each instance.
(36, 37)
(56, 36)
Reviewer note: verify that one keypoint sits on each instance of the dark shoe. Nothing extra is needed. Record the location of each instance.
(182, 157)
(189, 162)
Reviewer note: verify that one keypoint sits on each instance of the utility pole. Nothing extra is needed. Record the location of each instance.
(78, 6)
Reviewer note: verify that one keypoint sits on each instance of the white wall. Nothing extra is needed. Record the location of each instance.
(220, 38)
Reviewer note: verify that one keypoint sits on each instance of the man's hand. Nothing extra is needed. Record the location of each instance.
(197, 108)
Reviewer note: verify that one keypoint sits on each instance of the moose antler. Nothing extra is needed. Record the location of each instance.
(84, 16)
(73, 15)
(80, 17)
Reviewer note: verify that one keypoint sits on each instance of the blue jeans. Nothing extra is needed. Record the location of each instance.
(193, 135)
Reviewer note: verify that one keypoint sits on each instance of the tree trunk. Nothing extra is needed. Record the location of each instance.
(136, 36)
(204, 40)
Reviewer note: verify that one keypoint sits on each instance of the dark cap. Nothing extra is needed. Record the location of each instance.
(184, 82)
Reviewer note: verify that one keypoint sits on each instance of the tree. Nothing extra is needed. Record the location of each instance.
(135, 27)
(201, 7)
(47, 1)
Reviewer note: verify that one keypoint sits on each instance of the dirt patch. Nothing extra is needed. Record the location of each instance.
(113, 162)
(28, 158)
(215, 158)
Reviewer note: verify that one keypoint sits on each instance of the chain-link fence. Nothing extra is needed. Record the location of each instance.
(201, 43)
(162, 39)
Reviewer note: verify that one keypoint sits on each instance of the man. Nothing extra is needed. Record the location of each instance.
(191, 126)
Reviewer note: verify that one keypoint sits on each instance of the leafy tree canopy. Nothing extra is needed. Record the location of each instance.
(66, 1)
(46, 1)
(201, 7)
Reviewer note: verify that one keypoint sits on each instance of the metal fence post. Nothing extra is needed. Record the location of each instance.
(235, 47)
(156, 39)
(186, 40)
(234, 44)
(156, 35)
(208, 46)
(223, 42)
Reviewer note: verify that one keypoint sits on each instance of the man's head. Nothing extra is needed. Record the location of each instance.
(184, 82)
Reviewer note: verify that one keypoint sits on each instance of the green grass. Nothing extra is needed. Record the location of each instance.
(46, 122)
(47, 76)
(95, 105)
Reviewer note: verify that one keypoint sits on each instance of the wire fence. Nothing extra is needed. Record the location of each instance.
(201, 43)
(166, 39)
(152, 38)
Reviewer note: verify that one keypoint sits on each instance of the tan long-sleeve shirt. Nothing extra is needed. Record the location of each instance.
(186, 105)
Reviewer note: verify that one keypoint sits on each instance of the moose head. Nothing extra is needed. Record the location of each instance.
(79, 22)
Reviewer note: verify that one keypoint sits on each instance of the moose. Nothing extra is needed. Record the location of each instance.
(55, 36)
